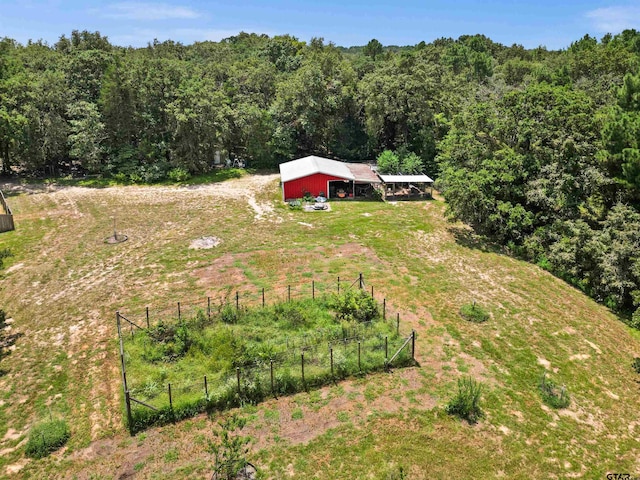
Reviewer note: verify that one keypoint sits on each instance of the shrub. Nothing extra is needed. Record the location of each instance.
(295, 204)
(474, 313)
(229, 313)
(174, 342)
(231, 450)
(356, 305)
(636, 364)
(294, 314)
(4, 253)
(466, 403)
(552, 395)
(46, 438)
(388, 162)
(178, 175)
(635, 319)
(396, 473)
(377, 194)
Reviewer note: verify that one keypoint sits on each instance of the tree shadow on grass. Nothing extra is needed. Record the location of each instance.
(7, 341)
(468, 238)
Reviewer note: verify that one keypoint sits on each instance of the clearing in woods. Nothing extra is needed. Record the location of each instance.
(63, 285)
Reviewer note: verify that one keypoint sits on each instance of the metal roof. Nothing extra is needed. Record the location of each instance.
(363, 173)
(303, 167)
(406, 179)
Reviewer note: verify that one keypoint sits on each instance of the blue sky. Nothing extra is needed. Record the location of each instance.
(554, 24)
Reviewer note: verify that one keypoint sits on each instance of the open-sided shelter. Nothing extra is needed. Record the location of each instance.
(406, 186)
(320, 176)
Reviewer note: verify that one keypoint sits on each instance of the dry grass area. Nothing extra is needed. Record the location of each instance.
(64, 284)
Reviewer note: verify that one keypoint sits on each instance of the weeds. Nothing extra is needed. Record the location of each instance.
(474, 313)
(46, 438)
(552, 395)
(230, 451)
(466, 403)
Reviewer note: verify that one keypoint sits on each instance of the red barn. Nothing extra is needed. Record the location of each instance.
(324, 177)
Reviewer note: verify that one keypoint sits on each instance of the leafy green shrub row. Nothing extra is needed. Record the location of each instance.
(47, 437)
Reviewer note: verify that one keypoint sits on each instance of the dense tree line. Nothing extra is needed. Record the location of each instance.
(536, 149)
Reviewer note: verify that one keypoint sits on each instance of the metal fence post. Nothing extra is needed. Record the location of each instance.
(338, 285)
(209, 308)
(273, 389)
(237, 300)
(413, 344)
(398, 324)
(206, 389)
(288, 293)
(359, 365)
(179, 315)
(384, 309)
(361, 280)
(238, 377)
(147, 309)
(124, 374)
(302, 363)
(331, 353)
(170, 399)
(262, 297)
(386, 348)
(127, 398)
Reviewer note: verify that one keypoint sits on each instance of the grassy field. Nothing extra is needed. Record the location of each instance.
(64, 284)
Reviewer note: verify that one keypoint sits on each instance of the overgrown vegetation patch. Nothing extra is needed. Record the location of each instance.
(243, 355)
(552, 395)
(46, 438)
(474, 313)
(466, 402)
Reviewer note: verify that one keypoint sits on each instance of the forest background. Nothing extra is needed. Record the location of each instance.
(536, 149)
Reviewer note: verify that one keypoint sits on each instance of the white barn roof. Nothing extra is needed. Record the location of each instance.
(405, 179)
(303, 167)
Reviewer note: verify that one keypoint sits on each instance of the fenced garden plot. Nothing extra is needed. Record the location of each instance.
(229, 355)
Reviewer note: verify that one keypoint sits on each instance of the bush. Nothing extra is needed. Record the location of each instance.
(178, 175)
(229, 313)
(551, 395)
(4, 253)
(636, 364)
(466, 403)
(230, 450)
(635, 319)
(46, 438)
(295, 204)
(388, 162)
(355, 305)
(474, 313)
(294, 314)
(173, 342)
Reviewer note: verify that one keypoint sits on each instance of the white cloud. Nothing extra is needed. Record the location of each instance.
(148, 11)
(615, 19)
(186, 36)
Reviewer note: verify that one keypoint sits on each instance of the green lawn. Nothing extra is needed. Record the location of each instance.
(64, 284)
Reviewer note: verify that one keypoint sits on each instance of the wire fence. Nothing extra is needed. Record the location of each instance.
(243, 298)
(297, 363)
